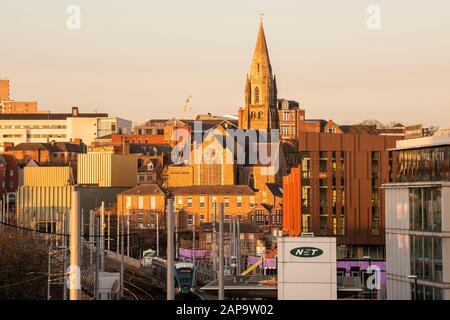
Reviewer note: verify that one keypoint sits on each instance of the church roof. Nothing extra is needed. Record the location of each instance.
(261, 54)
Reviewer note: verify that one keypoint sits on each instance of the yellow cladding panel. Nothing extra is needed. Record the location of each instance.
(47, 176)
(107, 170)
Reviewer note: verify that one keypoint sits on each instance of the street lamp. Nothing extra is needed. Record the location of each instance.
(414, 277)
(368, 258)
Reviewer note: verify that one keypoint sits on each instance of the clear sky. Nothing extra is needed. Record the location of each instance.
(140, 59)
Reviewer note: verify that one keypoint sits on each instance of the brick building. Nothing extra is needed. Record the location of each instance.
(335, 191)
(9, 173)
(143, 203)
(53, 153)
(7, 105)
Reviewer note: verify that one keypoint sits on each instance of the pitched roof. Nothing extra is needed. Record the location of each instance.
(52, 147)
(213, 190)
(8, 159)
(144, 189)
(276, 189)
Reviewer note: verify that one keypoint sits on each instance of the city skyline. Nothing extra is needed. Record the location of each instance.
(375, 76)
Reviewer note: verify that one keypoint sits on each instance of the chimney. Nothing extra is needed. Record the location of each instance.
(75, 112)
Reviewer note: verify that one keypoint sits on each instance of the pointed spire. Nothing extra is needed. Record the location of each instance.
(261, 61)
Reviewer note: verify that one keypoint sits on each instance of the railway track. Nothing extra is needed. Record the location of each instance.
(134, 287)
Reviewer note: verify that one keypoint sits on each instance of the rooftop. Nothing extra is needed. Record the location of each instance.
(49, 116)
(144, 189)
(433, 141)
(212, 190)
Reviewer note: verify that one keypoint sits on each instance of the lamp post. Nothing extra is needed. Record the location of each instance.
(414, 277)
(368, 258)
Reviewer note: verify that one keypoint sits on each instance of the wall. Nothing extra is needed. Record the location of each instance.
(307, 278)
(47, 176)
(397, 244)
(107, 170)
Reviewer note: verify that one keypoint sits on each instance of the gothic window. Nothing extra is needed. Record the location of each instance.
(252, 115)
(256, 95)
(260, 115)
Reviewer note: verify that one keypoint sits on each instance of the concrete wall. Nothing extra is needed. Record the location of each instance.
(306, 278)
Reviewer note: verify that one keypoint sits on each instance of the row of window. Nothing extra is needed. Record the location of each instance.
(33, 127)
(226, 200)
(4, 173)
(267, 219)
(11, 185)
(140, 203)
(285, 129)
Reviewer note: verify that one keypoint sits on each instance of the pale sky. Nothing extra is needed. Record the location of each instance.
(140, 59)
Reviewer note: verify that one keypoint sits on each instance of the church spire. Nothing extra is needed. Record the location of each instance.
(260, 111)
(261, 60)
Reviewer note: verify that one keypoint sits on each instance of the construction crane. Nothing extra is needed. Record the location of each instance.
(187, 104)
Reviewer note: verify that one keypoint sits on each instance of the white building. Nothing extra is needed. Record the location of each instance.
(418, 220)
(307, 268)
(21, 128)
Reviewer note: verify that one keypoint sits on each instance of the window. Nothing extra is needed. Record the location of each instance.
(256, 95)
(260, 115)
(180, 200)
(227, 202)
(239, 202)
(425, 205)
(189, 202)
(128, 202)
(141, 203)
(202, 218)
(253, 115)
(152, 203)
(227, 218)
(252, 202)
(11, 173)
(426, 257)
(202, 202)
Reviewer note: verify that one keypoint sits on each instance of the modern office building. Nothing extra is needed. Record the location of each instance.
(418, 220)
(25, 128)
(336, 191)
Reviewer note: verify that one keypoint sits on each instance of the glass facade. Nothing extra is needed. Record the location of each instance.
(426, 257)
(425, 206)
(426, 164)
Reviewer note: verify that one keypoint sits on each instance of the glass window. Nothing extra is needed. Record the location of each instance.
(227, 202)
(152, 203)
(128, 202)
(189, 202)
(239, 202)
(202, 202)
(140, 202)
(252, 202)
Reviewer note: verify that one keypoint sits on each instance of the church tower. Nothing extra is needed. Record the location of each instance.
(260, 111)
